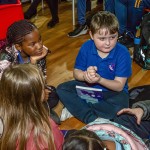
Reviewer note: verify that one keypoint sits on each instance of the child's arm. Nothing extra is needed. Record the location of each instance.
(116, 85)
(92, 77)
(78, 74)
(82, 75)
(137, 112)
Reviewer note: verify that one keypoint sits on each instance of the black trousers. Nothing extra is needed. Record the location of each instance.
(52, 4)
(53, 98)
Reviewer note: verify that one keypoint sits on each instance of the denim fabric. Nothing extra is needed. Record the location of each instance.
(128, 16)
(88, 112)
(142, 130)
(109, 5)
(81, 11)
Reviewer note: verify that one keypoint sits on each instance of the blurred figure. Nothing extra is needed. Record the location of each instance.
(129, 14)
(53, 6)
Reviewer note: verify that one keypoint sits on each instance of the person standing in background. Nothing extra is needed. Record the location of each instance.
(53, 6)
(129, 14)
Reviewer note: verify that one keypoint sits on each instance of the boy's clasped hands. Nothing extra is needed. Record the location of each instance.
(91, 75)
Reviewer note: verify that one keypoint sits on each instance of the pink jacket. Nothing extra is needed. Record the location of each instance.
(58, 139)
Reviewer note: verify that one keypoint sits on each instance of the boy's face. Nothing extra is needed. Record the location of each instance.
(104, 41)
(32, 44)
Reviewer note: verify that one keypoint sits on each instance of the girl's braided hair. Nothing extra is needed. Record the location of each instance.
(17, 31)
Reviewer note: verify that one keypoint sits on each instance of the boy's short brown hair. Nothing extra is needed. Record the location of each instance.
(104, 19)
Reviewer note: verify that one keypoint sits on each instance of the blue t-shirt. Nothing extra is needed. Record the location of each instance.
(116, 64)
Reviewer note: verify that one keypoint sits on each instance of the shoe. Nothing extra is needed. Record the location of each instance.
(55, 117)
(29, 14)
(126, 40)
(52, 23)
(79, 30)
(65, 114)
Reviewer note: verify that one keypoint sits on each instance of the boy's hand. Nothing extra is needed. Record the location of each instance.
(92, 71)
(34, 59)
(91, 76)
(137, 112)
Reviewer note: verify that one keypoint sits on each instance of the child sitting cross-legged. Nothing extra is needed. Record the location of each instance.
(101, 63)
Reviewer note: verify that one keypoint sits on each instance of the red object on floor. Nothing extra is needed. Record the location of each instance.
(9, 13)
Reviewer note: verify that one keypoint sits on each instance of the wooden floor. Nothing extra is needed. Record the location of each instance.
(64, 50)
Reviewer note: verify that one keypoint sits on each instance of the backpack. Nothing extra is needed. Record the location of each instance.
(107, 129)
(141, 54)
(139, 93)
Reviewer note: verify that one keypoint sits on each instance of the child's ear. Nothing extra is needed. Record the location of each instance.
(91, 35)
(18, 47)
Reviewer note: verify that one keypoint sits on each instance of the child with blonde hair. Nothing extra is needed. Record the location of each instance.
(26, 123)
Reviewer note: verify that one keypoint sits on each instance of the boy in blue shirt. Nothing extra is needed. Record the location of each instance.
(101, 63)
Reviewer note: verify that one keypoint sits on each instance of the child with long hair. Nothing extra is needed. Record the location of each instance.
(26, 123)
(24, 45)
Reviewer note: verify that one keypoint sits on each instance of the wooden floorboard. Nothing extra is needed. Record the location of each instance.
(64, 50)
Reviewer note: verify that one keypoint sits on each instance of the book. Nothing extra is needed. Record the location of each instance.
(92, 95)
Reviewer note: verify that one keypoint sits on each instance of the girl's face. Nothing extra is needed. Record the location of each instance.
(104, 41)
(32, 44)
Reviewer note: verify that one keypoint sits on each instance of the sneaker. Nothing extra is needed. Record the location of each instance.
(126, 40)
(52, 23)
(79, 30)
(65, 114)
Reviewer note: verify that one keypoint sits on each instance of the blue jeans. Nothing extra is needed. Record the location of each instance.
(129, 121)
(128, 16)
(88, 112)
(81, 11)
